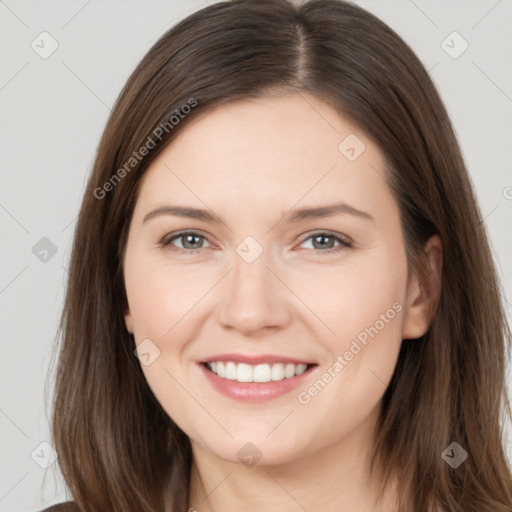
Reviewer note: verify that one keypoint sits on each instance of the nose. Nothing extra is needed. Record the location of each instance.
(254, 298)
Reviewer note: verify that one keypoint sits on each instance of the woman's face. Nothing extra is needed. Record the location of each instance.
(264, 239)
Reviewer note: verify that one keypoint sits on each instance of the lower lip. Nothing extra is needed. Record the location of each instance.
(255, 391)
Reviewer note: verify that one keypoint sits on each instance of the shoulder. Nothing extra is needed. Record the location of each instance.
(68, 506)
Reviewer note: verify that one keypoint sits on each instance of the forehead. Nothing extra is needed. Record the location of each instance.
(267, 151)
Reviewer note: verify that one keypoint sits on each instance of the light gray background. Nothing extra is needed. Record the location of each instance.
(53, 111)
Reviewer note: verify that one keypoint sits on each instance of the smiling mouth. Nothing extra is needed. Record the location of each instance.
(243, 372)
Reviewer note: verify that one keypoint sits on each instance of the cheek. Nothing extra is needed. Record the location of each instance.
(164, 301)
(354, 298)
(374, 304)
(169, 386)
(160, 295)
(161, 301)
(364, 306)
(365, 312)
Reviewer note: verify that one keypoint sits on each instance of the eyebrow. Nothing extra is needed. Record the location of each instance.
(295, 215)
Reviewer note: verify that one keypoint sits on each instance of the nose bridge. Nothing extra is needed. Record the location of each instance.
(254, 296)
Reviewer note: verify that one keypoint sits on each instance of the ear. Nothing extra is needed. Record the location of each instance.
(424, 291)
(128, 319)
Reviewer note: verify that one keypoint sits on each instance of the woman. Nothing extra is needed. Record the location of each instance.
(281, 293)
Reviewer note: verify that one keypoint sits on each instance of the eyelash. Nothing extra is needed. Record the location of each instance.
(166, 242)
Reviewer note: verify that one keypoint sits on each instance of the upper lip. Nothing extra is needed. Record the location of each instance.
(254, 359)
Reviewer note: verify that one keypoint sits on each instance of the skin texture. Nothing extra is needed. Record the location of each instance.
(250, 163)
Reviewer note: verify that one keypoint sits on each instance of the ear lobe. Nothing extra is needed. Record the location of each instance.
(128, 320)
(424, 291)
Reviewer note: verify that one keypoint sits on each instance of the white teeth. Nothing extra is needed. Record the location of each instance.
(221, 371)
(278, 371)
(243, 372)
(289, 370)
(262, 373)
(301, 368)
(230, 371)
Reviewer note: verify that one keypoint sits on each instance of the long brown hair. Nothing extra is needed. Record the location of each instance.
(118, 450)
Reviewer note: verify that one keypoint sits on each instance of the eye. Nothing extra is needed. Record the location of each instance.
(325, 242)
(191, 241)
